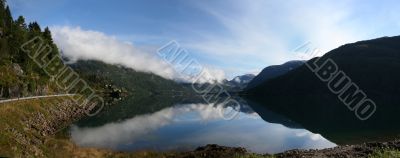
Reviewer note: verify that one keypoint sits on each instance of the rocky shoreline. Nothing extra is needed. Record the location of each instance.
(360, 150)
(346, 151)
(35, 121)
(60, 116)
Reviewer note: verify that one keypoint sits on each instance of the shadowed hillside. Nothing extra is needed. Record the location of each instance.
(301, 96)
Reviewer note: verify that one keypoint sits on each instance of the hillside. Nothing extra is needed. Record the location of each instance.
(136, 83)
(301, 96)
(371, 64)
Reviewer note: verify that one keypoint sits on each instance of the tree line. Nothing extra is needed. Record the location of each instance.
(19, 75)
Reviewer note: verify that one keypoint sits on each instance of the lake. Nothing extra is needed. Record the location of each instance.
(165, 124)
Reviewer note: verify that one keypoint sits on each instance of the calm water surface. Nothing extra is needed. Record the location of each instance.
(170, 126)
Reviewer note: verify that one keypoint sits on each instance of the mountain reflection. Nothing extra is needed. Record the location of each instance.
(329, 117)
(187, 126)
(112, 134)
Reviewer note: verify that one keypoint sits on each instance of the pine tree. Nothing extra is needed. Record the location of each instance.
(34, 27)
(3, 43)
(19, 33)
(2, 4)
(21, 22)
(8, 20)
(2, 11)
(47, 35)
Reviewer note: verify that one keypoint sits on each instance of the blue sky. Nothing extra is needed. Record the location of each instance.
(234, 36)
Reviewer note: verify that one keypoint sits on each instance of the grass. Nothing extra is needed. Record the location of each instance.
(385, 154)
(19, 140)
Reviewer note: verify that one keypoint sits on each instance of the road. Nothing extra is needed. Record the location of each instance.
(34, 97)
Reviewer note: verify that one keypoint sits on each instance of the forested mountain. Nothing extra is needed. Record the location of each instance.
(138, 83)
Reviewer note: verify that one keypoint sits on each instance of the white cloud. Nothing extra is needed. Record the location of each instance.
(79, 44)
(266, 32)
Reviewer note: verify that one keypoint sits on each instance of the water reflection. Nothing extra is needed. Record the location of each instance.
(327, 115)
(187, 126)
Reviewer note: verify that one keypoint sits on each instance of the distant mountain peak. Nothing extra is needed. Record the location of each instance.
(243, 79)
(240, 82)
(274, 71)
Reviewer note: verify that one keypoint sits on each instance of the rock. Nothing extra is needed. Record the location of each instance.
(212, 151)
(17, 69)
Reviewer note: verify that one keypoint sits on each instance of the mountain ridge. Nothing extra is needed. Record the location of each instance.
(274, 71)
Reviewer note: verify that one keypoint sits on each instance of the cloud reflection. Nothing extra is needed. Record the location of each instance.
(191, 125)
(113, 134)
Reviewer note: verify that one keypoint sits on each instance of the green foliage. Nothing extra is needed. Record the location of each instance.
(2, 12)
(137, 83)
(47, 35)
(34, 27)
(21, 22)
(4, 51)
(13, 35)
(8, 20)
(385, 154)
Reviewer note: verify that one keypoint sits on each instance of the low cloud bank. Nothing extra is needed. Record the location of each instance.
(79, 44)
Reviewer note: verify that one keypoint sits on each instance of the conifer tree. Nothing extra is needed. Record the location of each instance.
(47, 35)
(8, 20)
(2, 10)
(20, 22)
(34, 28)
